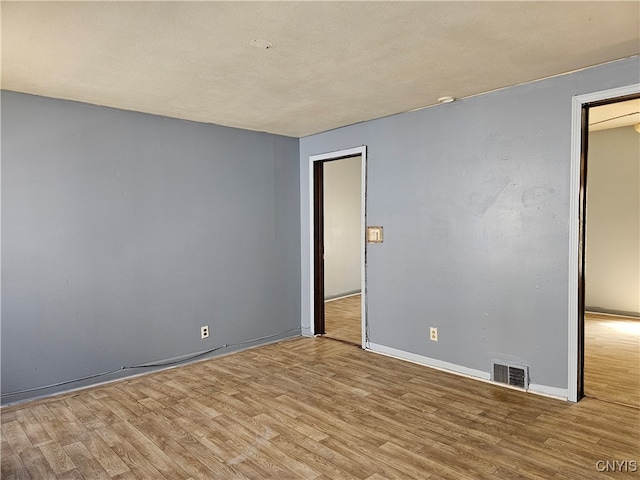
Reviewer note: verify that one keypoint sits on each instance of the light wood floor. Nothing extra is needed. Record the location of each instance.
(313, 408)
(343, 319)
(612, 349)
(612, 359)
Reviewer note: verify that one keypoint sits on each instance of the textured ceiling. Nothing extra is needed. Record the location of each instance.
(331, 63)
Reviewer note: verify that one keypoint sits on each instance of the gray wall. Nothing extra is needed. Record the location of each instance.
(342, 236)
(123, 233)
(613, 222)
(474, 200)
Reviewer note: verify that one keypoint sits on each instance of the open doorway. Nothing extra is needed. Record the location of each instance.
(582, 106)
(612, 253)
(342, 249)
(338, 263)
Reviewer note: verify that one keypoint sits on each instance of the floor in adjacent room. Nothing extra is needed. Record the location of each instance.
(343, 319)
(612, 358)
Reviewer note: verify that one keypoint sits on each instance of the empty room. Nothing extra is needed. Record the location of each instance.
(320, 240)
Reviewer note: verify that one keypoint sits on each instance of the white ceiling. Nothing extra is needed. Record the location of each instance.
(614, 115)
(331, 63)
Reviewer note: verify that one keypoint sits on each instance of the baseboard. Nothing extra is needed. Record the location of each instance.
(547, 391)
(615, 313)
(430, 362)
(122, 376)
(544, 390)
(340, 296)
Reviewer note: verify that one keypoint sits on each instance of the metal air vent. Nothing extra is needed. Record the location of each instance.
(510, 374)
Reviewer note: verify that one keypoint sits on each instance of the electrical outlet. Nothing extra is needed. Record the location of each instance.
(433, 334)
(204, 331)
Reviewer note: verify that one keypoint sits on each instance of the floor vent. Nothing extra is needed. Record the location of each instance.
(510, 374)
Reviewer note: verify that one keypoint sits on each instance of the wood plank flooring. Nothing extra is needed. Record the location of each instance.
(612, 359)
(343, 319)
(312, 408)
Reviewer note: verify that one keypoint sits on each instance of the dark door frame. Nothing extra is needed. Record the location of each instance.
(318, 247)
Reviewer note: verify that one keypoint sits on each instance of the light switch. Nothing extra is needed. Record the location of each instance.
(374, 234)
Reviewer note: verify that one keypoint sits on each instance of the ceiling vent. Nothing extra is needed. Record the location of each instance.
(510, 374)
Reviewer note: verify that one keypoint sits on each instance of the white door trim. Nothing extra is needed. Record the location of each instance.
(351, 152)
(574, 221)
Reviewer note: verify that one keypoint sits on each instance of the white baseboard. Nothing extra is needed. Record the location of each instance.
(341, 296)
(610, 313)
(430, 362)
(151, 371)
(545, 390)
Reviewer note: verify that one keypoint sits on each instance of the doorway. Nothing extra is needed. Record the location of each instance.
(338, 245)
(609, 372)
(342, 245)
(612, 254)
